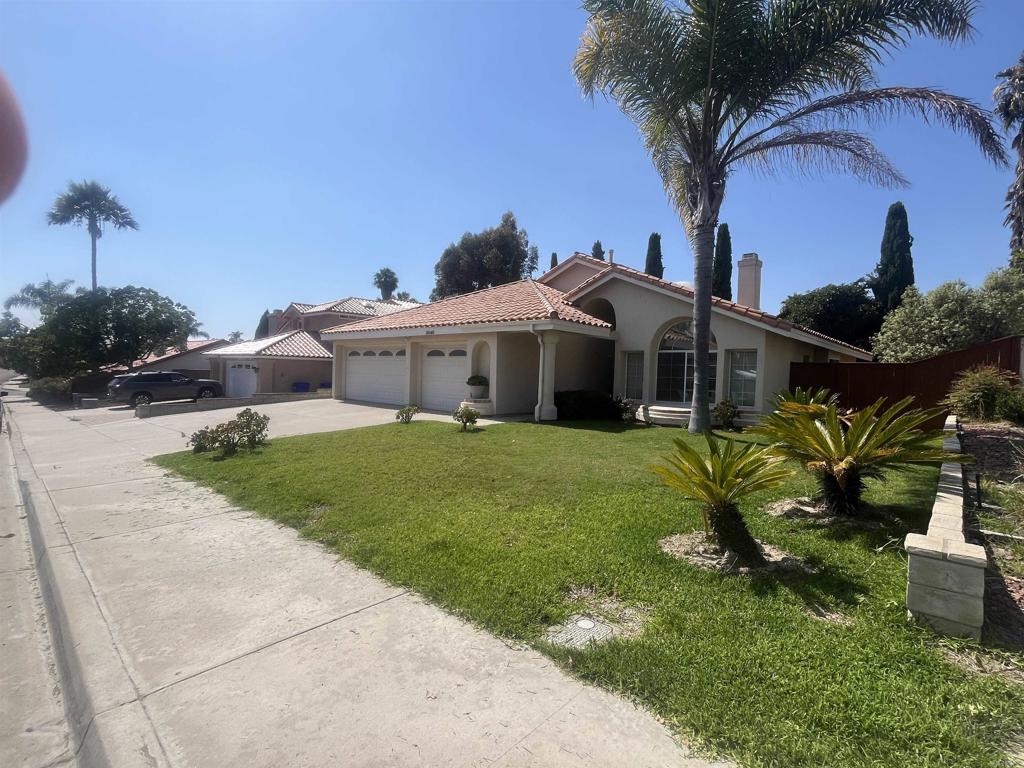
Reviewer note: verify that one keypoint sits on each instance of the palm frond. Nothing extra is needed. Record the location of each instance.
(815, 152)
(880, 104)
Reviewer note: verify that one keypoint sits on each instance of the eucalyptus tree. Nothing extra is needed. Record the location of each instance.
(1009, 99)
(769, 84)
(90, 204)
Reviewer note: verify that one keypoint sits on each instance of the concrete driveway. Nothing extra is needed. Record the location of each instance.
(190, 633)
(162, 434)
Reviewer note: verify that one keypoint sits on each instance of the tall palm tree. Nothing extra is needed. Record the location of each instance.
(1009, 99)
(91, 204)
(770, 84)
(385, 281)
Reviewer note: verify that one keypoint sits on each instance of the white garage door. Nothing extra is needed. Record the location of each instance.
(376, 376)
(241, 380)
(444, 373)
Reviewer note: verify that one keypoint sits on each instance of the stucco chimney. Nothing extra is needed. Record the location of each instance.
(748, 281)
(611, 255)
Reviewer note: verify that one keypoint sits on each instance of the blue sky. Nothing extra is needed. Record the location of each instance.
(284, 151)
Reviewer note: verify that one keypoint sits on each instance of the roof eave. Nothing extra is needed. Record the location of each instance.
(540, 324)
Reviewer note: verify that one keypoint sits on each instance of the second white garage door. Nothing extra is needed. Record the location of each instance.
(376, 376)
(444, 373)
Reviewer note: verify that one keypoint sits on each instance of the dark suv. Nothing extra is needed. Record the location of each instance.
(149, 386)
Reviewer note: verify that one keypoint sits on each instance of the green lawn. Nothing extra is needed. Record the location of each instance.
(497, 525)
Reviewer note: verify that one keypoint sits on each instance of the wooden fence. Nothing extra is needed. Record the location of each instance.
(928, 380)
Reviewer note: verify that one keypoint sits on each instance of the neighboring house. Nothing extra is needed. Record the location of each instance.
(285, 362)
(190, 362)
(316, 317)
(586, 324)
(292, 355)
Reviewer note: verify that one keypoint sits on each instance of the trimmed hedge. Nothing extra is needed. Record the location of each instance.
(586, 404)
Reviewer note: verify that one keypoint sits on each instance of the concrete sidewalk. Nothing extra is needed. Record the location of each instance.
(190, 633)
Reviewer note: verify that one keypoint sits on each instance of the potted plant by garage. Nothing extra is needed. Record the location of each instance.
(477, 386)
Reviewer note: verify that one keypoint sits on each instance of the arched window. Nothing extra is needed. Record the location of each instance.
(676, 363)
(353, 353)
(457, 353)
(400, 353)
(435, 353)
(385, 353)
(369, 353)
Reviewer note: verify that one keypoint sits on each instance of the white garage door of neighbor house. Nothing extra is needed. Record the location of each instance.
(444, 373)
(376, 376)
(241, 380)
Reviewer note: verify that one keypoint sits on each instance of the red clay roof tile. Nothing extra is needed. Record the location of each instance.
(522, 301)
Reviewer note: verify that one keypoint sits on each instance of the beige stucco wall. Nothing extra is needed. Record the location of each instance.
(583, 362)
(572, 276)
(642, 316)
(286, 372)
(517, 366)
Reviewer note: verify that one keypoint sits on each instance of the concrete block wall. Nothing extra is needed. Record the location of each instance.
(945, 574)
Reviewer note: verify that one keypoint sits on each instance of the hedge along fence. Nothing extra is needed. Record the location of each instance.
(928, 381)
(945, 574)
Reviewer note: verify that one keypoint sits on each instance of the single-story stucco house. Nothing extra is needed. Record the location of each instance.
(190, 361)
(586, 324)
(292, 356)
(273, 364)
(315, 317)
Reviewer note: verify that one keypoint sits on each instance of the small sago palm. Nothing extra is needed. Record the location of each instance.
(718, 481)
(91, 204)
(714, 85)
(843, 450)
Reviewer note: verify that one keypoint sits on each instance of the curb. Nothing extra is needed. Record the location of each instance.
(107, 723)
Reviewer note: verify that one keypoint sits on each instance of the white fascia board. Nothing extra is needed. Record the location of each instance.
(461, 330)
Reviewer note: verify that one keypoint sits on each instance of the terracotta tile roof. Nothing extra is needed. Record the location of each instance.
(353, 305)
(192, 345)
(761, 316)
(521, 301)
(300, 344)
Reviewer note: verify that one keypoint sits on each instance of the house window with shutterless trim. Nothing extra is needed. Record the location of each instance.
(635, 375)
(676, 365)
(743, 376)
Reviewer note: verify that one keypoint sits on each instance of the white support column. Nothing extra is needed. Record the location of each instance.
(545, 409)
(338, 372)
(412, 371)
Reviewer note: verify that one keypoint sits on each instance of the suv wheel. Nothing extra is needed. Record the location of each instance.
(206, 392)
(141, 398)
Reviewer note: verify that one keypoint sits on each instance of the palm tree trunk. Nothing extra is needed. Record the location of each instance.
(702, 240)
(93, 236)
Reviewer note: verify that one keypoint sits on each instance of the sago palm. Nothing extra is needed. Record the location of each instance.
(90, 204)
(842, 450)
(718, 481)
(772, 84)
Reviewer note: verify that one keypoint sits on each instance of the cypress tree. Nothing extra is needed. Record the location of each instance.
(554, 260)
(654, 265)
(263, 326)
(721, 267)
(597, 251)
(895, 270)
